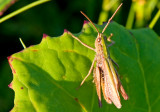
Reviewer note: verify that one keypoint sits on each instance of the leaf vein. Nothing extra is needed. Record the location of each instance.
(144, 79)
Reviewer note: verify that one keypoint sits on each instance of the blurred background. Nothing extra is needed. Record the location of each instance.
(53, 17)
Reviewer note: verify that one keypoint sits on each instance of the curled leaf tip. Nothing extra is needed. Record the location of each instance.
(10, 85)
(65, 31)
(45, 35)
(9, 59)
(85, 22)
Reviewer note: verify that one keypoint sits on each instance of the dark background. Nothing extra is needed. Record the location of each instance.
(50, 18)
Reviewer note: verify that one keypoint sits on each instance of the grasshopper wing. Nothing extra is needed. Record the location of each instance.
(110, 83)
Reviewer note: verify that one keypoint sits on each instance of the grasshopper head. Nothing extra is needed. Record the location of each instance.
(98, 41)
(99, 38)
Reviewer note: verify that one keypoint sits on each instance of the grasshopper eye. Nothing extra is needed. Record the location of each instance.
(99, 39)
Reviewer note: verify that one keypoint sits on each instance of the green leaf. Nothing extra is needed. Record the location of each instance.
(5, 4)
(46, 76)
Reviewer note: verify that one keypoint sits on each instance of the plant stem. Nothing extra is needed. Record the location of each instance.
(24, 46)
(155, 19)
(38, 2)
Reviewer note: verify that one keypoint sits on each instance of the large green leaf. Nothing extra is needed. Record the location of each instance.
(46, 76)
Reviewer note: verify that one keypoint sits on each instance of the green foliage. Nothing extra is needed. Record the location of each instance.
(46, 75)
(22, 10)
(6, 94)
(140, 12)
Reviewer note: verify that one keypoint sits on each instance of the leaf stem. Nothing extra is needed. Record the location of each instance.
(38, 2)
(24, 46)
(155, 19)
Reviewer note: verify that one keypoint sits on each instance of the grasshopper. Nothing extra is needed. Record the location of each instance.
(105, 75)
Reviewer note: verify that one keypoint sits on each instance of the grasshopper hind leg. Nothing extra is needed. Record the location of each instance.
(97, 81)
(121, 89)
(105, 89)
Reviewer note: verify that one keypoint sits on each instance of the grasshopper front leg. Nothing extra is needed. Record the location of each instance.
(109, 39)
(88, 72)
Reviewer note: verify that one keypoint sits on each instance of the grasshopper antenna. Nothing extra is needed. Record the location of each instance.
(89, 20)
(111, 18)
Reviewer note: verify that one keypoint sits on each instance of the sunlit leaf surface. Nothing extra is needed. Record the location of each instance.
(46, 76)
